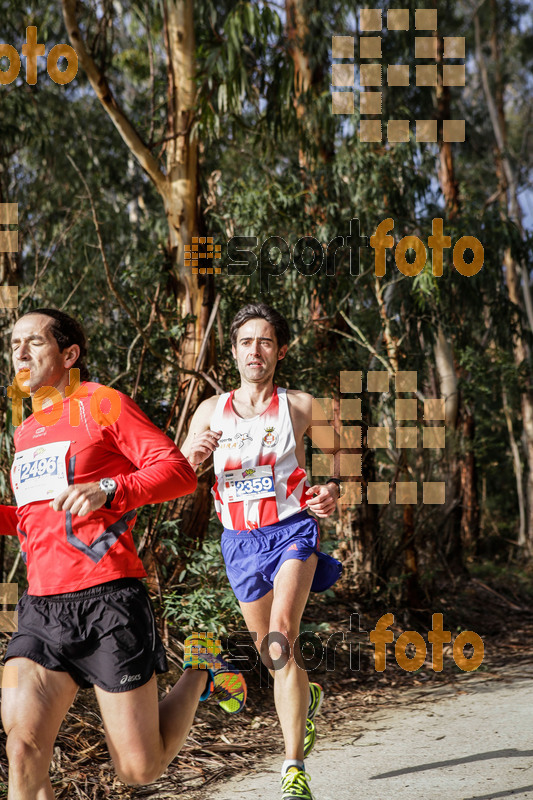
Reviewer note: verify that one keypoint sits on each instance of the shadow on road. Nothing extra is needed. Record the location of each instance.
(510, 752)
(506, 793)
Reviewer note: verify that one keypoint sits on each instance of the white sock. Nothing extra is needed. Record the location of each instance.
(291, 762)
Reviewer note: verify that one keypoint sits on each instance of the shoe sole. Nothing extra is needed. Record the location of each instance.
(203, 653)
(234, 684)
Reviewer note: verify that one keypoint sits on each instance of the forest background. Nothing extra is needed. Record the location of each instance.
(214, 119)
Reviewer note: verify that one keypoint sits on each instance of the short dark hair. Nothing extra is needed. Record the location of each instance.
(66, 331)
(261, 311)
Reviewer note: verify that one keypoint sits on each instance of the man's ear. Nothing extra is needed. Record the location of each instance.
(233, 351)
(282, 352)
(70, 355)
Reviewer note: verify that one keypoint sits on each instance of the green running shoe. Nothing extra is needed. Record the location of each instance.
(230, 689)
(310, 736)
(225, 682)
(294, 784)
(316, 694)
(316, 697)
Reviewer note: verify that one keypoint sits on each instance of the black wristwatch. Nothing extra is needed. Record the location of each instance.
(109, 486)
(338, 482)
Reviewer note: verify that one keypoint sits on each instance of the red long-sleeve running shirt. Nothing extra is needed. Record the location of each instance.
(101, 438)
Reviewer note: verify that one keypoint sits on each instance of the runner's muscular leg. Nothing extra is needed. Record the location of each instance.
(34, 703)
(281, 611)
(257, 618)
(291, 687)
(143, 736)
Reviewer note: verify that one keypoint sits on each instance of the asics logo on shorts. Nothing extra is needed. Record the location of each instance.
(129, 678)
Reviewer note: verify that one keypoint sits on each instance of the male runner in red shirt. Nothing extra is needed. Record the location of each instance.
(85, 460)
(270, 543)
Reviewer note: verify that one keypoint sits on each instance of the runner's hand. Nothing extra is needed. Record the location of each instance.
(202, 446)
(324, 501)
(80, 499)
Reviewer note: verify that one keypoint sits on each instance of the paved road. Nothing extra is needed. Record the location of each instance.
(473, 741)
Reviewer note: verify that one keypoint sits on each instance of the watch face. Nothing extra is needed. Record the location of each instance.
(108, 485)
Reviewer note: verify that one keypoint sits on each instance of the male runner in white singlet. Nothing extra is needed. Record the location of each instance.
(270, 542)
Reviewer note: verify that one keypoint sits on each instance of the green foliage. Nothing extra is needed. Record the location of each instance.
(512, 580)
(203, 599)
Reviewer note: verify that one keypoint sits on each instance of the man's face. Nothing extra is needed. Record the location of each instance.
(257, 351)
(34, 348)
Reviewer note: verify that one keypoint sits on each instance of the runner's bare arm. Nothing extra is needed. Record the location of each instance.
(201, 441)
(308, 418)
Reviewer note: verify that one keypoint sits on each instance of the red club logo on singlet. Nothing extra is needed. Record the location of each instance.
(270, 439)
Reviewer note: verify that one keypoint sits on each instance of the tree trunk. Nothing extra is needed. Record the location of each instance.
(296, 35)
(447, 180)
(469, 495)
(452, 509)
(413, 589)
(311, 129)
(462, 497)
(181, 193)
(359, 523)
(516, 275)
(177, 185)
(517, 466)
(196, 293)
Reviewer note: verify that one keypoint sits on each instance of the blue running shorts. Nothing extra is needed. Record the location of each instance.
(254, 557)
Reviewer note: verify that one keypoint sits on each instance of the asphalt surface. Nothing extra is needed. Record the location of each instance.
(469, 741)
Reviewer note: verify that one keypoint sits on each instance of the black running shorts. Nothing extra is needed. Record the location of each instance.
(105, 635)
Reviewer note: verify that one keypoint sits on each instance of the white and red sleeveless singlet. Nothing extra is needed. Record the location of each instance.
(265, 441)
